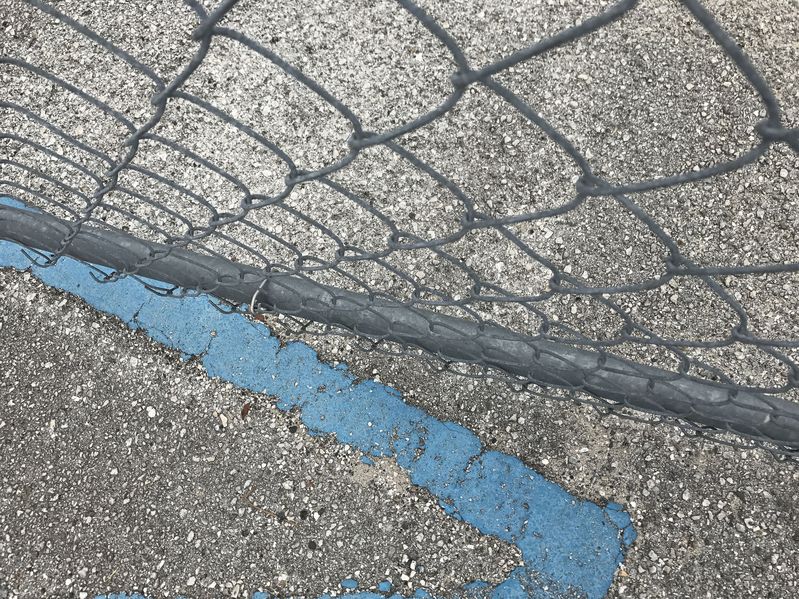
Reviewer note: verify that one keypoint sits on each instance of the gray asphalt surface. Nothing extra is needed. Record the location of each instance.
(127, 469)
(643, 97)
(100, 496)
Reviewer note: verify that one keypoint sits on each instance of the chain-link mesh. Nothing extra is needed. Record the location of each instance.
(162, 171)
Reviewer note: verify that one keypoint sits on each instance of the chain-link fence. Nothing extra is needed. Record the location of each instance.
(215, 154)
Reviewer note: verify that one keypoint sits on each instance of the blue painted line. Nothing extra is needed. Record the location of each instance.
(570, 547)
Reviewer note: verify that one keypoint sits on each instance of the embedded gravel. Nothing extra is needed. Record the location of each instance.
(126, 468)
(644, 97)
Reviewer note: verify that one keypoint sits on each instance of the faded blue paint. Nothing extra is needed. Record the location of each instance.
(349, 584)
(384, 587)
(569, 546)
(615, 511)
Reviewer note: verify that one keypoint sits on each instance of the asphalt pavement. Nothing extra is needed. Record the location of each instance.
(129, 467)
